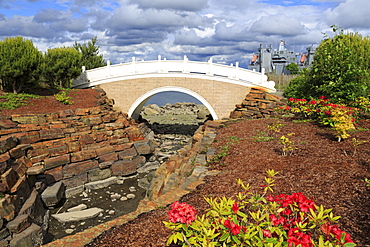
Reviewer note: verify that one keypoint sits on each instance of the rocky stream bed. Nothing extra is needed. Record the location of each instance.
(171, 127)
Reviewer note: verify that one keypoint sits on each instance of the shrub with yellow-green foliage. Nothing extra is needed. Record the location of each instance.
(343, 122)
(339, 116)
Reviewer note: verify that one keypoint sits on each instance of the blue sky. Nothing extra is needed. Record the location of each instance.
(227, 31)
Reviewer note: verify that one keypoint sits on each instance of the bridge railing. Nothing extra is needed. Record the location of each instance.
(163, 66)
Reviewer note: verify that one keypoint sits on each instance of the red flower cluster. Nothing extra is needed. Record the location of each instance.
(295, 202)
(297, 100)
(295, 199)
(235, 229)
(285, 108)
(235, 208)
(267, 233)
(296, 237)
(294, 205)
(334, 229)
(182, 212)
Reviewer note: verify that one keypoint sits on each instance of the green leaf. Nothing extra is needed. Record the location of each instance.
(170, 239)
(179, 236)
(349, 245)
(224, 236)
(236, 240)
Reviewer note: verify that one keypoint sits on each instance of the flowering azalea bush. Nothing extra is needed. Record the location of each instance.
(257, 220)
(339, 116)
(182, 212)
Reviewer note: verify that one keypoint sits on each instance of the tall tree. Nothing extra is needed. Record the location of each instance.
(90, 54)
(61, 65)
(20, 63)
(340, 70)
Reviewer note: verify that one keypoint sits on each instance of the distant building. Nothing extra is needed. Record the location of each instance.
(275, 60)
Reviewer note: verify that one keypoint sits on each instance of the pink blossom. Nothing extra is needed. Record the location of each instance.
(182, 212)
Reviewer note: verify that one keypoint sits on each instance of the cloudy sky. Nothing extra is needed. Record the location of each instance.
(227, 30)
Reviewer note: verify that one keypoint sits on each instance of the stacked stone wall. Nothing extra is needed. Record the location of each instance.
(184, 172)
(72, 147)
(258, 104)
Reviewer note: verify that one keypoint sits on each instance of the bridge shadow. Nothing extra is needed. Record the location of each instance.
(182, 129)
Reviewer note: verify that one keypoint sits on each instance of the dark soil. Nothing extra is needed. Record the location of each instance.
(326, 171)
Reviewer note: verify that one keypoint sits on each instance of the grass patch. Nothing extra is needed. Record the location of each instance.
(358, 129)
(12, 101)
(262, 136)
(302, 120)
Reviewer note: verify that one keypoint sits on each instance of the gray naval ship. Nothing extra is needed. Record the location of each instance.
(275, 60)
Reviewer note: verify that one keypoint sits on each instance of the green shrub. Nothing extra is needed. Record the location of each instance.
(63, 97)
(298, 86)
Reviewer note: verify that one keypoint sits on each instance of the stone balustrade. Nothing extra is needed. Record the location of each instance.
(169, 68)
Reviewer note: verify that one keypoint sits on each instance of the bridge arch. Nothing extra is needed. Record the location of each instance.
(134, 110)
(218, 87)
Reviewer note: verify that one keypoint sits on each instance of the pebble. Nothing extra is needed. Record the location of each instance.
(132, 189)
(69, 231)
(111, 212)
(115, 196)
(123, 198)
(130, 196)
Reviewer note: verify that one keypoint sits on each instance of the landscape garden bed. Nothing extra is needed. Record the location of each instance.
(327, 171)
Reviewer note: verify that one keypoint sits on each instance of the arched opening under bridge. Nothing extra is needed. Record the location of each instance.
(136, 107)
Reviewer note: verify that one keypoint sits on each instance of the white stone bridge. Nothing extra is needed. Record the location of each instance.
(218, 87)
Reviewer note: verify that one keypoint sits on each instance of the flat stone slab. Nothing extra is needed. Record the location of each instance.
(77, 215)
(79, 207)
(74, 191)
(101, 184)
(149, 166)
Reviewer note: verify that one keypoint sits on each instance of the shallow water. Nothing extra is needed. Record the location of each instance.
(100, 198)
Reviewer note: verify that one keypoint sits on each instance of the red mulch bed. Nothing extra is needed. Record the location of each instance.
(82, 98)
(323, 169)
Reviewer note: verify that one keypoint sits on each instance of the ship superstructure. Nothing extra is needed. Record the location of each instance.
(275, 60)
